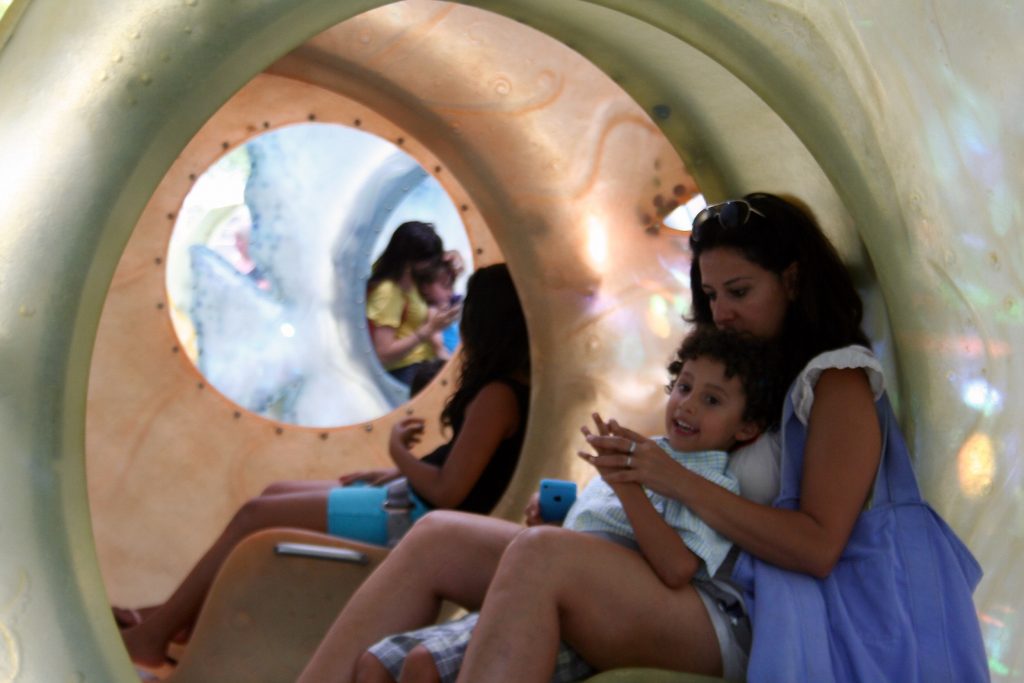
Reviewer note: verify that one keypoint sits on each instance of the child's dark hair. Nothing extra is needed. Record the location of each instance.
(827, 310)
(756, 362)
(432, 271)
(493, 337)
(411, 242)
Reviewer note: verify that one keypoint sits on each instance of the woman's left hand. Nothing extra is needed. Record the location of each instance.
(406, 434)
(626, 457)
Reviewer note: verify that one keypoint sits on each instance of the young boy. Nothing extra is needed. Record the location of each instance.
(435, 282)
(721, 395)
(723, 392)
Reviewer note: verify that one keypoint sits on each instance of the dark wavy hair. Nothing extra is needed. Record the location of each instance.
(493, 336)
(410, 243)
(756, 362)
(827, 311)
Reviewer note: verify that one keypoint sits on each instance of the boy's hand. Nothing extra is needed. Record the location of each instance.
(406, 434)
(605, 444)
(532, 511)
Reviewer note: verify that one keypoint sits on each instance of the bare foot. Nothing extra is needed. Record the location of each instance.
(143, 648)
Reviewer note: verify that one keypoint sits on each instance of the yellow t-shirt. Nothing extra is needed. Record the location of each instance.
(388, 306)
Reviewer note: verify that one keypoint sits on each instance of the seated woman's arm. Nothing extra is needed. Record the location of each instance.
(492, 416)
(840, 460)
(390, 347)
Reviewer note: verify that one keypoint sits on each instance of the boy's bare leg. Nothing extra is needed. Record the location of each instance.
(419, 667)
(370, 670)
(447, 556)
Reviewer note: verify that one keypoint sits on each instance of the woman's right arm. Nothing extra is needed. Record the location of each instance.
(390, 347)
(841, 457)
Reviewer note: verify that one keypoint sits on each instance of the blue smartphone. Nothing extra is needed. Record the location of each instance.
(556, 497)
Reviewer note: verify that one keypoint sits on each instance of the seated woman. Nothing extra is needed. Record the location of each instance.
(402, 324)
(487, 416)
(761, 266)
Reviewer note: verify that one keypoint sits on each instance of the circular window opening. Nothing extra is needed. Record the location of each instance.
(268, 265)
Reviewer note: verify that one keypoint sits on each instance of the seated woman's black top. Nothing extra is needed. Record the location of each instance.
(493, 481)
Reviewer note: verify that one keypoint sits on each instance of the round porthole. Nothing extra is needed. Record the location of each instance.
(268, 263)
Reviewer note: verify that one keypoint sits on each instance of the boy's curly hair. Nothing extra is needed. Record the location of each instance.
(757, 363)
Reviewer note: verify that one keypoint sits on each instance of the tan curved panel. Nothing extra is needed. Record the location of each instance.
(163, 446)
(170, 459)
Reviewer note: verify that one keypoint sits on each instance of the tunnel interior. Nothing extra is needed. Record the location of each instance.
(564, 133)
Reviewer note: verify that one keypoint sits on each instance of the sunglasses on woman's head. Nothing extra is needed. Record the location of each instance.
(730, 214)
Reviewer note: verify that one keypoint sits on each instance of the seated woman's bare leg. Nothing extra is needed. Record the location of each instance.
(127, 618)
(447, 556)
(147, 641)
(604, 600)
(278, 488)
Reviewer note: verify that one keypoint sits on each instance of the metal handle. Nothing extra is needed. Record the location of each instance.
(324, 552)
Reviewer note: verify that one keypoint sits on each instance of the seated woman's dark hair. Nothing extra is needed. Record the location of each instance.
(425, 372)
(493, 335)
(411, 242)
(756, 362)
(827, 311)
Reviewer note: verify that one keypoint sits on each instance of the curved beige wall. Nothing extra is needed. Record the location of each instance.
(490, 126)
(895, 126)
